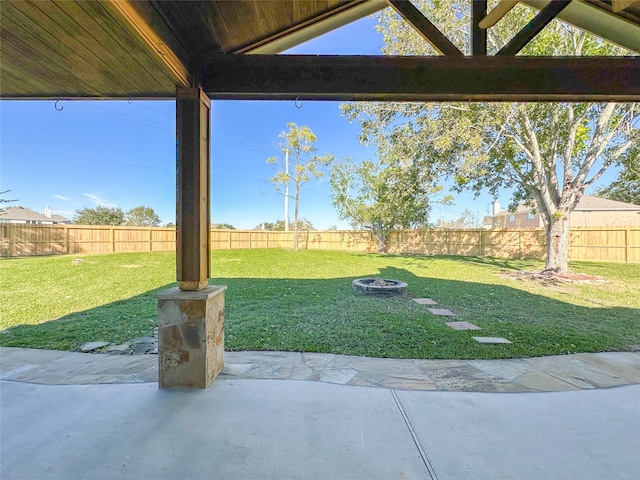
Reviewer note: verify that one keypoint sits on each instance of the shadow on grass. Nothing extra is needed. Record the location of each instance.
(116, 322)
(325, 315)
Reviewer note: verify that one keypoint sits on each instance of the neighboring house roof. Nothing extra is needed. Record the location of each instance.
(60, 219)
(26, 214)
(587, 202)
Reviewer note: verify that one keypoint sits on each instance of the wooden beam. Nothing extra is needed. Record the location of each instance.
(535, 26)
(424, 27)
(497, 13)
(131, 13)
(478, 34)
(193, 246)
(386, 78)
(619, 5)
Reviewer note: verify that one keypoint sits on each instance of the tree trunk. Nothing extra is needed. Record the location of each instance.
(557, 234)
(295, 220)
(378, 233)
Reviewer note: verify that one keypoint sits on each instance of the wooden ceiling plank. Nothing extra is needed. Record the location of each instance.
(28, 53)
(210, 17)
(80, 33)
(495, 15)
(307, 27)
(535, 26)
(424, 27)
(448, 78)
(153, 39)
(264, 22)
(152, 73)
(13, 80)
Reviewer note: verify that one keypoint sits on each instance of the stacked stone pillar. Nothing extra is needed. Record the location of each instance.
(190, 336)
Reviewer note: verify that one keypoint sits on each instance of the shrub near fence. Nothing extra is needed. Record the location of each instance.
(614, 244)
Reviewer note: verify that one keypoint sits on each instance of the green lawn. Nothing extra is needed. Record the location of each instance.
(281, 300)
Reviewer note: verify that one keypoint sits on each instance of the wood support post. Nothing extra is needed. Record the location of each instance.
(193, 247)
(478, 34)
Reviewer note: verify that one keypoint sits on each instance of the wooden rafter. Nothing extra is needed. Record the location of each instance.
(149, 34)
(448, 78)
(535, 26)
(497, 13)
(424, 27)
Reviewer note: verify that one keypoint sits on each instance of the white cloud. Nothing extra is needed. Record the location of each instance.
(99, 201)
(62, 197)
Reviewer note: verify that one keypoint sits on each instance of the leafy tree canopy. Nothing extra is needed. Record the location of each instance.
(278, 225)
(223, 226)
(99, 216)
(381, 197)
(625, 188)
(547, 154)
(141, 217)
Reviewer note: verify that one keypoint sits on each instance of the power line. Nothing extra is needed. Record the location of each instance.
(76, 157)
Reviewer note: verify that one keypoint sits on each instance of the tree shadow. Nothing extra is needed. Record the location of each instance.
(326, 315)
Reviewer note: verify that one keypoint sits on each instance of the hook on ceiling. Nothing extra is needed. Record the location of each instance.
(296, 102)
(55, 105)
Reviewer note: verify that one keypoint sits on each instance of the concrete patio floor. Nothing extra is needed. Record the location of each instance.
(247, 428)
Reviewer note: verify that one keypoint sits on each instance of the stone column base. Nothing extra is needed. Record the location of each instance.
(190, 336)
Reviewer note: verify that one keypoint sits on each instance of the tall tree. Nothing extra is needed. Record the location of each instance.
(304, 165)
(547, 153)
(467, 219)
(381, 197)
(99, 216)
(142, 217)
(626, 187)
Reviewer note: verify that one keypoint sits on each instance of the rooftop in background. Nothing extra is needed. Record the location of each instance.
(590, 212)
(26, 215)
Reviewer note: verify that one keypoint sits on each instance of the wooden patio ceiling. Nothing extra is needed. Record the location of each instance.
(146, 48)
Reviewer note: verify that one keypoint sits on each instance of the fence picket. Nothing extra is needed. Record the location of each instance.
(614, 244)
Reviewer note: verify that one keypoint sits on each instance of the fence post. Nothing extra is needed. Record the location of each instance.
(229, 239)
(112, 237)
(520, 243)
(150, 240)
(627, 247)
(11, 237)
(249, 239)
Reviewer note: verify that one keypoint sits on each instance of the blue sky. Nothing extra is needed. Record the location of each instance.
(122, 154)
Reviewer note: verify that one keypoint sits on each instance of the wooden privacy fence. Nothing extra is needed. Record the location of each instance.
(612, 244)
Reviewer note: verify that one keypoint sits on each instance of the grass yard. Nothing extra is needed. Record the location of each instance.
(281, 300)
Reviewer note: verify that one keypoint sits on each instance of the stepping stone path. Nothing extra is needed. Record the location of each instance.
(442, 311)
(458, 325)
(462, 326)
(491, 340)
(424, 301)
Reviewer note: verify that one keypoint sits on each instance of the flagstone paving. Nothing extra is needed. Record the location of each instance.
(556, 373)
